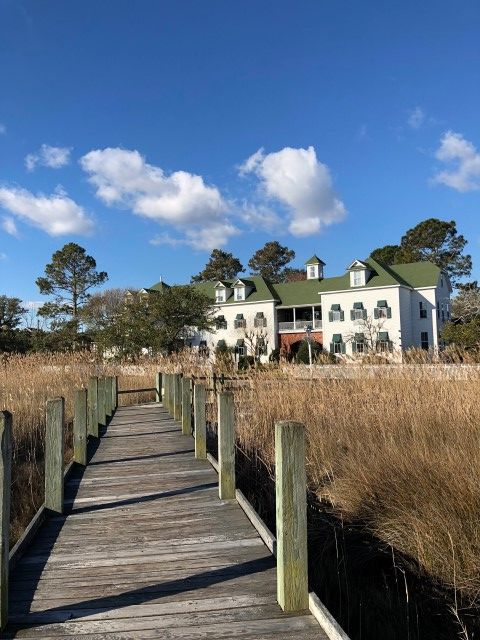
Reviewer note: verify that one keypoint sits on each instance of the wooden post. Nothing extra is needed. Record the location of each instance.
(80, 427)
(114, 393)
(199, 403)
(54, 454)
(186, 407)
(108, 398)
(226, 446)
(158, 387)
(291, 508)
(5, 488)
(177, 401)
(93, 407)
(102, 412)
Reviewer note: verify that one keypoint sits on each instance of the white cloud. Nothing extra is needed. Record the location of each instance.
(299, 181)
(416, 118)
(124, 179)
(9, 226)
(261, 217)
(57, 214)
(3, 129)
(464, 158)
(47, 156)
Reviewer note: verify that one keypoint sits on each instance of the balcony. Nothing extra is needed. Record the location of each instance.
(299, 325)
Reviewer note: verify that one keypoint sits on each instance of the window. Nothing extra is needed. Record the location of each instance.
(443, 313)
(358, 312)
(382, 310)
(261, 347)
(424, 340)
(240, 347)
(220, 322)
(438, 309)
(259, 320)
(383, 341)
(337, 345)
(219, 296)
(240, 293)
(423, 309)
(239, 321)
(336, 314)
(358, 343)
(312, 272)
(357, 278)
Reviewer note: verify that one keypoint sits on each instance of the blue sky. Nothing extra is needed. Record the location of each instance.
(151, 131)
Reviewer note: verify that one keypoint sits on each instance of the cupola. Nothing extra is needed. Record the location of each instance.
(314, 268)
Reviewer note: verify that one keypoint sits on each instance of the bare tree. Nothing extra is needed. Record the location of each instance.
(370, 329)
(257, 341)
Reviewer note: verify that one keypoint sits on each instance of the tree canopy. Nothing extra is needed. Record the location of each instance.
(220, 266)
(11, 316)
(435, 240)
(68, 278)
(127, 322)
(270, 261)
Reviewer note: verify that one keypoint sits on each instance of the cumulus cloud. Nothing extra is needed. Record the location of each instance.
(123, 178)
(259, 216)
(47, 156)
(9, 226)
(297, 179)
(57, 214)
(464, 160)
(416, 118)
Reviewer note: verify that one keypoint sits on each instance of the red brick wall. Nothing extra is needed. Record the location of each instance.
(285, 340)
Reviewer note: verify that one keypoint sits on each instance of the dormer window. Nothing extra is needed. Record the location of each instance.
(359, 272)
(219, 295)
(242, 289)
(222, 291)
(239, 293)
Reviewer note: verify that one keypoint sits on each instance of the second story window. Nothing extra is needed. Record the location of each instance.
(240, 321)
(259, 320)
(239, 293)
(424, 340)
(220, 322)
(422, 309)
(219, 296)
(358, 312)
(382, 310)
(336, 314)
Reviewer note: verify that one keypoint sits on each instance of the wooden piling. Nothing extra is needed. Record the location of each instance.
(102, 410)
(177, 396)
(291, 511)
(5, 491)
(93, 407)
(226, 446)
(54, 454)
(80, 427)
(158, 387)
(186, 407)
(114, 393)
(199, 404)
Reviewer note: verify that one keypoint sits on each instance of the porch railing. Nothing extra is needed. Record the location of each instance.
(299, 325)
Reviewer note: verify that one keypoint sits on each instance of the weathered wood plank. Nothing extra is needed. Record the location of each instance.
(80, 427)
(5, 491)
(186, 407)
(200, 421)
(226, 446)
(54, 454)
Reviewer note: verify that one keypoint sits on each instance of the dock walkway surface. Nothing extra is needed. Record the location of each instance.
(146, 549)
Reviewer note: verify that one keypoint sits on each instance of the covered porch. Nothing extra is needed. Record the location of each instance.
(294, 319)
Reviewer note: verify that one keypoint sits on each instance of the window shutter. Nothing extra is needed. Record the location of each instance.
(375, 313)
(330, 316)
(342, 316)
(354, 347)
(352, 314)
(389, 312)
(332, 348)
(364, 314)
(343, 347)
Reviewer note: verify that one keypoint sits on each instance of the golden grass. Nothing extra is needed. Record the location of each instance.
(396, 453)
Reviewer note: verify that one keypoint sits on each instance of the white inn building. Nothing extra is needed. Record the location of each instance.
(371, 306)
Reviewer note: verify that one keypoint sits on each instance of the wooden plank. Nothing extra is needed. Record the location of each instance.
(101, 406)
(177, 396)
(54, 454)
(5, 491)
(158, 386)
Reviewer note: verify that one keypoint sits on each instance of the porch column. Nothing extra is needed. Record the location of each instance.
(294, 319)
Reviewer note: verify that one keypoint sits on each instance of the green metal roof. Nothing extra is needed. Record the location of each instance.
(308, 292)
(314, 260)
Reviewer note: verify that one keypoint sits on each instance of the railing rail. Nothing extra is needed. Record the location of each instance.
(299, 325)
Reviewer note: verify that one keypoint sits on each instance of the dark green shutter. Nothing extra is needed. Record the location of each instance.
(354, 347)
(389, 312)
(332, 348)
(352, 314)
(364, 314)
(343, 347)
(342, 316)
(375, 313)
(330, 316)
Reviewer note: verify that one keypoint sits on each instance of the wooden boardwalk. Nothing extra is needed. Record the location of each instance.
(148, 550)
